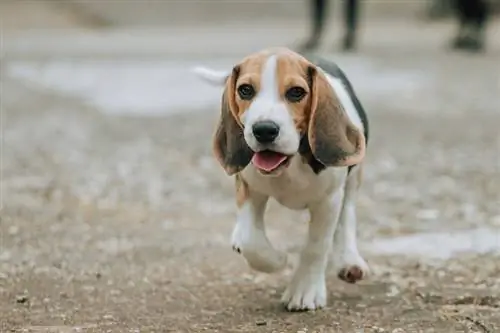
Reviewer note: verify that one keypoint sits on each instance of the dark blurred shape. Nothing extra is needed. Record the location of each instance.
(472, 16)
(318, 12)
(438, 9)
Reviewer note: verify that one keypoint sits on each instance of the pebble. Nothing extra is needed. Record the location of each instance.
(21, 299)
(108, 317)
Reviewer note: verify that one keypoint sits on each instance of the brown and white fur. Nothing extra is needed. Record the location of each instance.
(327, 120)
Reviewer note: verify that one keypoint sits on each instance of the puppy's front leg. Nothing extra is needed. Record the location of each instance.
(307, 290)
(249, 235)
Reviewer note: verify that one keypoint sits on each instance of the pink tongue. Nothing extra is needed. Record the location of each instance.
(268, 160)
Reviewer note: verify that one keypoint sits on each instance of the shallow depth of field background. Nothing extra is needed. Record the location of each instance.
(116, 217)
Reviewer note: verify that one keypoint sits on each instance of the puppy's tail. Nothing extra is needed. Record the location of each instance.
(211, 76)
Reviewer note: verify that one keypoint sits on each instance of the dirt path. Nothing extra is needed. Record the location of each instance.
(118, 222)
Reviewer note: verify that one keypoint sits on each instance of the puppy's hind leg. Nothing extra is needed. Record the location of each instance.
(249, 235)
(347, 261)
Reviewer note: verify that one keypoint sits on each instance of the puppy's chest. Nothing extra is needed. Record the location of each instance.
(296, 187)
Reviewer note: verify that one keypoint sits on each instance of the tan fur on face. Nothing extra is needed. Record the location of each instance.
(250, 72)
(333, 139)
(292, 72)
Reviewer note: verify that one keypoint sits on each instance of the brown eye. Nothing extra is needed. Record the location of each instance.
(295, 94)
(246, 91)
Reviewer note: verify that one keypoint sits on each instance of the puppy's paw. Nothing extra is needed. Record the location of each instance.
(243, 238)
(306, 292)
(352, 269)
(351, 274)
(258, 252)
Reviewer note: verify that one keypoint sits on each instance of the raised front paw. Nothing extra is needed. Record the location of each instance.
(241, 237)
(260, 255)
(306, 292)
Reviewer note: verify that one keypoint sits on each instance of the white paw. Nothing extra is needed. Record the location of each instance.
(238, 239)
(351, 268)
(305, 292)
(260, 255)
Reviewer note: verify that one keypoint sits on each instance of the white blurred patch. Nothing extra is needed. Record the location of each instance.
(444, 245)
(123, 87)
(154, 87)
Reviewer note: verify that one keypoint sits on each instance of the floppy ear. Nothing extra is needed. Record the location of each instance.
(229, 145)
(333, 139)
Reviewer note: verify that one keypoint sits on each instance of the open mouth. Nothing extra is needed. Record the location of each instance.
(268, 161)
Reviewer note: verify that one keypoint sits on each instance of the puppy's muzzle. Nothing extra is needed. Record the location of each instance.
(266, 131)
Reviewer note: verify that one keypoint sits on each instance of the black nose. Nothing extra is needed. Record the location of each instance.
(265, 131)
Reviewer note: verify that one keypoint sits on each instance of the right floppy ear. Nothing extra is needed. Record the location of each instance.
(229, 145)
(333, 139)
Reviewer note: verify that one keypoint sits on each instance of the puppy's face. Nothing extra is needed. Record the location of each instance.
(274, 99)
(272, 103)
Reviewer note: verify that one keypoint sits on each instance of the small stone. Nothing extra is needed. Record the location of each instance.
(89, 289)
(21, 299)
(427, 214)
(261, 323)
(393, 291)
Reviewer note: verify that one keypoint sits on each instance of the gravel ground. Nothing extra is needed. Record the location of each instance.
(120, 222)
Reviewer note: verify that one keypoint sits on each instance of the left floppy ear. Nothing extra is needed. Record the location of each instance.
(333, 139)
(229, 145)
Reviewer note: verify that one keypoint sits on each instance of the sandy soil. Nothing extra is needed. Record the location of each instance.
(121, 223)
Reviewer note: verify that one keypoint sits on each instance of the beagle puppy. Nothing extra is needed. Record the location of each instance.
(292, 129)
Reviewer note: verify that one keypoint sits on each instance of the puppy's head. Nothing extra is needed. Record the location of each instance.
(273, 99)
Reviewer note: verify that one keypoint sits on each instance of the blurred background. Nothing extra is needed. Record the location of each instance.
(116, 217)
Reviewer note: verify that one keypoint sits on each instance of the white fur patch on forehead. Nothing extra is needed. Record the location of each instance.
(269, 106)
(269, 79)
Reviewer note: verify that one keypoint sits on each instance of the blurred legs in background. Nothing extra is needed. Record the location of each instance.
(437, 9)
(472, 16)
(319, 9)
(351, 9)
